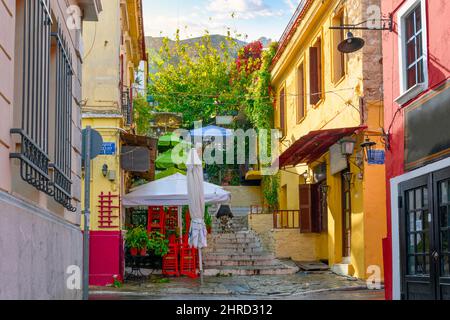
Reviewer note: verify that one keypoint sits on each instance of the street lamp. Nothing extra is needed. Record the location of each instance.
(105, 170)
(347, 147)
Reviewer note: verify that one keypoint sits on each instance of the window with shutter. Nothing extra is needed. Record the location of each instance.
(315, 72)
(283, 111)
(301, 112)
(305, 208)
(309, 197)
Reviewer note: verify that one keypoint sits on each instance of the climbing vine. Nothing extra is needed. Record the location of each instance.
(260, 112)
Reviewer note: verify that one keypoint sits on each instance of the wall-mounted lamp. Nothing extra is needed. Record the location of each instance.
(347, 147)
(348, 176)
(306, 176)
(324, 190)
(105, 170)
(367, 147)
(353, 44)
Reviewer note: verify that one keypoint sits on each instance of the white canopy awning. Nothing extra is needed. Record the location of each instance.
(172, 191)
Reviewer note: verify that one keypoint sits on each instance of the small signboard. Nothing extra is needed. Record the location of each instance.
(377, 157)
(108, 149)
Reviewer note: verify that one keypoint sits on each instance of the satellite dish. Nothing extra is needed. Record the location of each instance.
(351, 44)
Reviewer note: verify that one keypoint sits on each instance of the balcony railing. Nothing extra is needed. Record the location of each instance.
(127, 108)
(286, 219)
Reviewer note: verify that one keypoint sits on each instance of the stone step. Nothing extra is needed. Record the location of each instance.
(257, 256)
(239, 263)
(239, 245)
(236, 235)
(277, 269)
(230, 241)
(234, 251)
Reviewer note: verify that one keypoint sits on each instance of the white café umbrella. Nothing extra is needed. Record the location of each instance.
(172, 191)
(197, 233)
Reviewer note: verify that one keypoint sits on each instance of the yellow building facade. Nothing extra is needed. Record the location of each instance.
(114, 51)
(326, 101)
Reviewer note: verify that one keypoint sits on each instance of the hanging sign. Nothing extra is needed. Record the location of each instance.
(377, 157)
(108, 149)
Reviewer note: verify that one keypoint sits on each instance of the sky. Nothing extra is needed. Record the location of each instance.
(252, 19)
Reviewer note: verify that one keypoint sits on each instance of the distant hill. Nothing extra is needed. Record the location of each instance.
(155, 43)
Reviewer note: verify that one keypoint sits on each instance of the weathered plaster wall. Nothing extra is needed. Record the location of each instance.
(243, 196)
(287, 243)
(36, 249)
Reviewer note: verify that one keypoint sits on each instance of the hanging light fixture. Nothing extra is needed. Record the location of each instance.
(351, 44)
(348, 176)
(367, 146)
(347, 147)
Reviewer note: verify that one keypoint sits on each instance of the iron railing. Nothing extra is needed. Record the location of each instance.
(62, 164)
(126, 107)
(286, 219)
(33, 156)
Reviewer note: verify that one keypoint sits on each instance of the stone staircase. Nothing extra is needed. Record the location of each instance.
(240, 253)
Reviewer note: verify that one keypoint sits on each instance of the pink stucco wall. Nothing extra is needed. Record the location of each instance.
(7, 21)
(438, 26)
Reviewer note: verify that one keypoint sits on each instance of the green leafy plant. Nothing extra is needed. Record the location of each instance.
(158, 244)
(208, 219)
(137, 238)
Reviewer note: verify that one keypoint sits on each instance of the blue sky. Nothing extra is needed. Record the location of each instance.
(254, 18)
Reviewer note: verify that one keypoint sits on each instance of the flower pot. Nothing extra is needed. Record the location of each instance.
(209, 230)
(134, 252)
(143, 252)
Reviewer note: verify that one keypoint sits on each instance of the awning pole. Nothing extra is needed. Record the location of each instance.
(200, 263)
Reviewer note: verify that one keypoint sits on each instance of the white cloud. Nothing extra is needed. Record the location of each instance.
(243, 9)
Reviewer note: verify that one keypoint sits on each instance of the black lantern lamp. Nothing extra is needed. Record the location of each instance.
(348, 176)
(105, 170)
(368, 146)
(324, 190)
(224, 211)
(352, 43)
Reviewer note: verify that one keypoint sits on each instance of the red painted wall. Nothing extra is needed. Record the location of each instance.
(105, 257)
(438, 27)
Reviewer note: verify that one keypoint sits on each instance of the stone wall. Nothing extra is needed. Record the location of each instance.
(284, 243)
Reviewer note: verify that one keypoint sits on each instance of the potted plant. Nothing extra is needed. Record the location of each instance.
(208, 221)
(137, 240)
(158, 244)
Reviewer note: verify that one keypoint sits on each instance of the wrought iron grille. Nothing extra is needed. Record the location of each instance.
(62, 164)
(33, 156)
(126, 107)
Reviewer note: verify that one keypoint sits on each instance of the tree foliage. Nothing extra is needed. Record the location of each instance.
(195, 80)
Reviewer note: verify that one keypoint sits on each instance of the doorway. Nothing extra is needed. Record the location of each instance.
(346, 216)
(424, 204)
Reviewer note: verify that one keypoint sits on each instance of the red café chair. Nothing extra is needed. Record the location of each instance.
(170, 265)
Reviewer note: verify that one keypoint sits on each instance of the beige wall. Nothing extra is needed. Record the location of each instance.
(288, 243)
(242, 196)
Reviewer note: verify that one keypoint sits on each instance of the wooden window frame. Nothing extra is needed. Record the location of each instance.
(314, 101)
(341, 15)
(282, 110)
(301, 96)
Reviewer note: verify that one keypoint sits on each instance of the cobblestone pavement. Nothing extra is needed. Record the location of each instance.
(314, 285)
